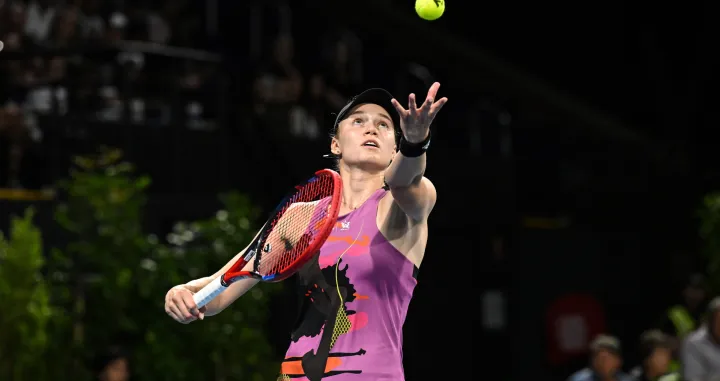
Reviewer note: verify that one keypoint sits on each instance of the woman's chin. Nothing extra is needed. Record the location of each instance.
(371, 164)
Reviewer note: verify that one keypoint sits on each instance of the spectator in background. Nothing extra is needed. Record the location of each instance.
(278, 86)
(655, 356)
(92, 24)
(282, 72)
(683, 318)
(196, 90)
(605, 362)
(112, 365)
(329, 88)
(65, 30)
(701, 350)
(17, 133)
(39, 19)
(15, 76)
(186, 26)
(48, 93)
(310, 116)
(343, 70)
(12, 18)
(158, 28)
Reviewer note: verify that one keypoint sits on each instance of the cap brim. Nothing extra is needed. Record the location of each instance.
(380, 97)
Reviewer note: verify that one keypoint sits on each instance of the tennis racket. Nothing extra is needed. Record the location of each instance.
(295, 231)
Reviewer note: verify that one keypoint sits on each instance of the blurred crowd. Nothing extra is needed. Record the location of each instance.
(299, 94)
(89, 60)
(104, 62)
(85, 59)
(74, 59)
(681, 345)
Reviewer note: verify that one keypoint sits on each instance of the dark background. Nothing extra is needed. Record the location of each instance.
(608, 127)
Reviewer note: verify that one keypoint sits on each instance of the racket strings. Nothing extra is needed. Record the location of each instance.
(297, 224)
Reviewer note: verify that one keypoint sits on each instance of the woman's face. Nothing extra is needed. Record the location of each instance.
(366, 138)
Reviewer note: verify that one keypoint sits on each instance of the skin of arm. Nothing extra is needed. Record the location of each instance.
(414, 193)
(280, 238)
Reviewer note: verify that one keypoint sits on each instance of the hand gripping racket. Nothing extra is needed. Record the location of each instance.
(295, 231)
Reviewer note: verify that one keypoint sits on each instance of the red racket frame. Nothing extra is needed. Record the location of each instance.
(235, 273)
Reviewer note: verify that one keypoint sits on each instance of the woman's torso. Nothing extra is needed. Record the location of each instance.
(355, 296)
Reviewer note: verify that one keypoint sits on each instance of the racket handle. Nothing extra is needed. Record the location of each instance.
(209, 292)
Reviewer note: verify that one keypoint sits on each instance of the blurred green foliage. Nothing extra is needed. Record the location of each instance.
(112, 279)
(710, 233)
(26, 304)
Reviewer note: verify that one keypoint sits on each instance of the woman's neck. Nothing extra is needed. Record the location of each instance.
(358, 186)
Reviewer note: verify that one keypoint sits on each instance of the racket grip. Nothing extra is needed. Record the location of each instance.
(209, 292)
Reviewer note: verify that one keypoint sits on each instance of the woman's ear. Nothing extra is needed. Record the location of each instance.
(335, 146)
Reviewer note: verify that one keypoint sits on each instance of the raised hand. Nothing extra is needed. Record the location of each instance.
(415, 122)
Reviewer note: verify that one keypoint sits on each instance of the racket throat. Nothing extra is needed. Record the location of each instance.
(249, 256)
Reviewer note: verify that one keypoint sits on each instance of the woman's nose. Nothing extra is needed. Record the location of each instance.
(371, 128)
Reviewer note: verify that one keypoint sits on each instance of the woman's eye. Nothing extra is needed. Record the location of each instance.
(357, 121)
(383, 125)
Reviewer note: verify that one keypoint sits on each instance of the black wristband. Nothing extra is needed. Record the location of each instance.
(414, 149)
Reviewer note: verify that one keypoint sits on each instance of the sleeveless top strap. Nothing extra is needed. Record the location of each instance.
(378, 195)
(369, 207)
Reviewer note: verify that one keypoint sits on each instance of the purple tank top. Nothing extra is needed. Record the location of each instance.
(355, 297)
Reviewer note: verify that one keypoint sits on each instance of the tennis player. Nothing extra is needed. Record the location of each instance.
(355, 293)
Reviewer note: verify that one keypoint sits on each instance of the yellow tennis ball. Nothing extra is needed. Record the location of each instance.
(430, 9)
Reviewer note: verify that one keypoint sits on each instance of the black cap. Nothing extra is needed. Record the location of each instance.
(378, 96)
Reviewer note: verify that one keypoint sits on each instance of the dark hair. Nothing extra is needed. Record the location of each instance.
(652, 340)
(605, 343)
(106, 357)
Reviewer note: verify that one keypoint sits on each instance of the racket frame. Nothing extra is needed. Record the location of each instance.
(219, 284)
